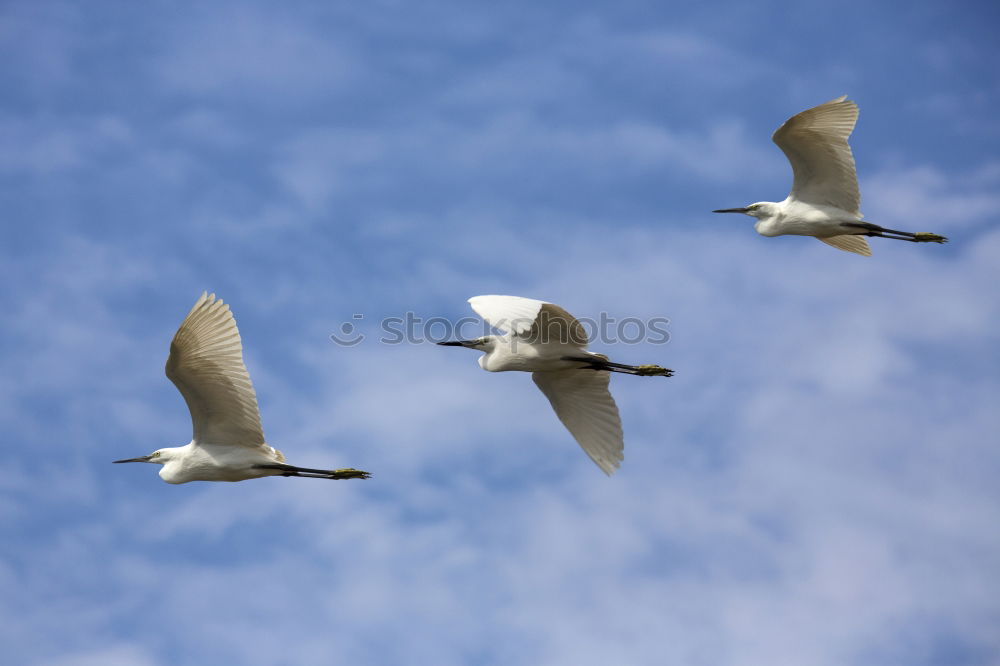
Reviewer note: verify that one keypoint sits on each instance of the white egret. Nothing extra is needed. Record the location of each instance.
(206, 365)
(824, 201)
(545, 340)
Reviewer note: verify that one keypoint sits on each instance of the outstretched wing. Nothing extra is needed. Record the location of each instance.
(850, 243)
(815, 142)
(206, 365)
(583, 403)
(528, 318)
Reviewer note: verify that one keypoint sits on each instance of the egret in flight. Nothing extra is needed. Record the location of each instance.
(206, 365)
(545, 340)
(824, 201)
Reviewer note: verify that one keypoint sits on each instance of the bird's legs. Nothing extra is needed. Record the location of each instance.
(882, 232)
(292, 470)
(598, 363)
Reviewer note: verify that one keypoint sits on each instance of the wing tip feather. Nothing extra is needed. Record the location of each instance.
(849, 243)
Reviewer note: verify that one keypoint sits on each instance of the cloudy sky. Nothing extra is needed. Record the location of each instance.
(817, 485)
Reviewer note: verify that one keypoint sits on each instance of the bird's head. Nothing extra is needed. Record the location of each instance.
(171, 459)
(760, 210)
(160, 457)
(485, 344)
(482, 344)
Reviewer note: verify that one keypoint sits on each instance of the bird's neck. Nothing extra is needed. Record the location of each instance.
(769, 218)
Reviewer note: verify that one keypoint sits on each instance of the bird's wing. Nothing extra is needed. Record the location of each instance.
(206, 365)
(527, 318)
(815, 142)
(507, 313)
(850, 243)
(583, 403)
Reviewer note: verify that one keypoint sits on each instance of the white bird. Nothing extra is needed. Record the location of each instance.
(824, 201)
(545, 340)
(206, 365)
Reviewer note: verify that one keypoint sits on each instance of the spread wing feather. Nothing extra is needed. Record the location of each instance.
(530, 319)
(850, 243)
(815, 142)
(206, 365)
(583, 403)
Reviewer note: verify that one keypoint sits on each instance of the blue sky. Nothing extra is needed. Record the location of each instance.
(816, 485)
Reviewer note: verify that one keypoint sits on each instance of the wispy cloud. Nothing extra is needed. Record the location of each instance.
(929, 197)
(250, 52)
(816, 485)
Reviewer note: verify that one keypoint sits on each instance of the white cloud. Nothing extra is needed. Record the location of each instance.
(243, 52)
(925, 196)
(322, 166)
(809, 481)
(37, 147)
(115, 655)
(812, 535)
(816, 485)
(39, 44)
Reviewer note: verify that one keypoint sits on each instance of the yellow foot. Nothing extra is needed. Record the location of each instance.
(650, 370)
(927, 237)
(349, 473)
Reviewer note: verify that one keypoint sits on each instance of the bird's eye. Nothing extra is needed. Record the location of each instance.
(156, 454)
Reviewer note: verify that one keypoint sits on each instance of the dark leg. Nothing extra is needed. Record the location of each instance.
(292, 470)
(597, 363)
(882, 232)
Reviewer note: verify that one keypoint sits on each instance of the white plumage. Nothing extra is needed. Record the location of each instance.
(227, 444)
(815, 142)
(824, 201)
(583, 403)
(547, 341)
(206, 365)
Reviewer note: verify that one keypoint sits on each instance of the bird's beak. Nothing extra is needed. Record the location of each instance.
(142, 459)
(730, 210)
(459, 343)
